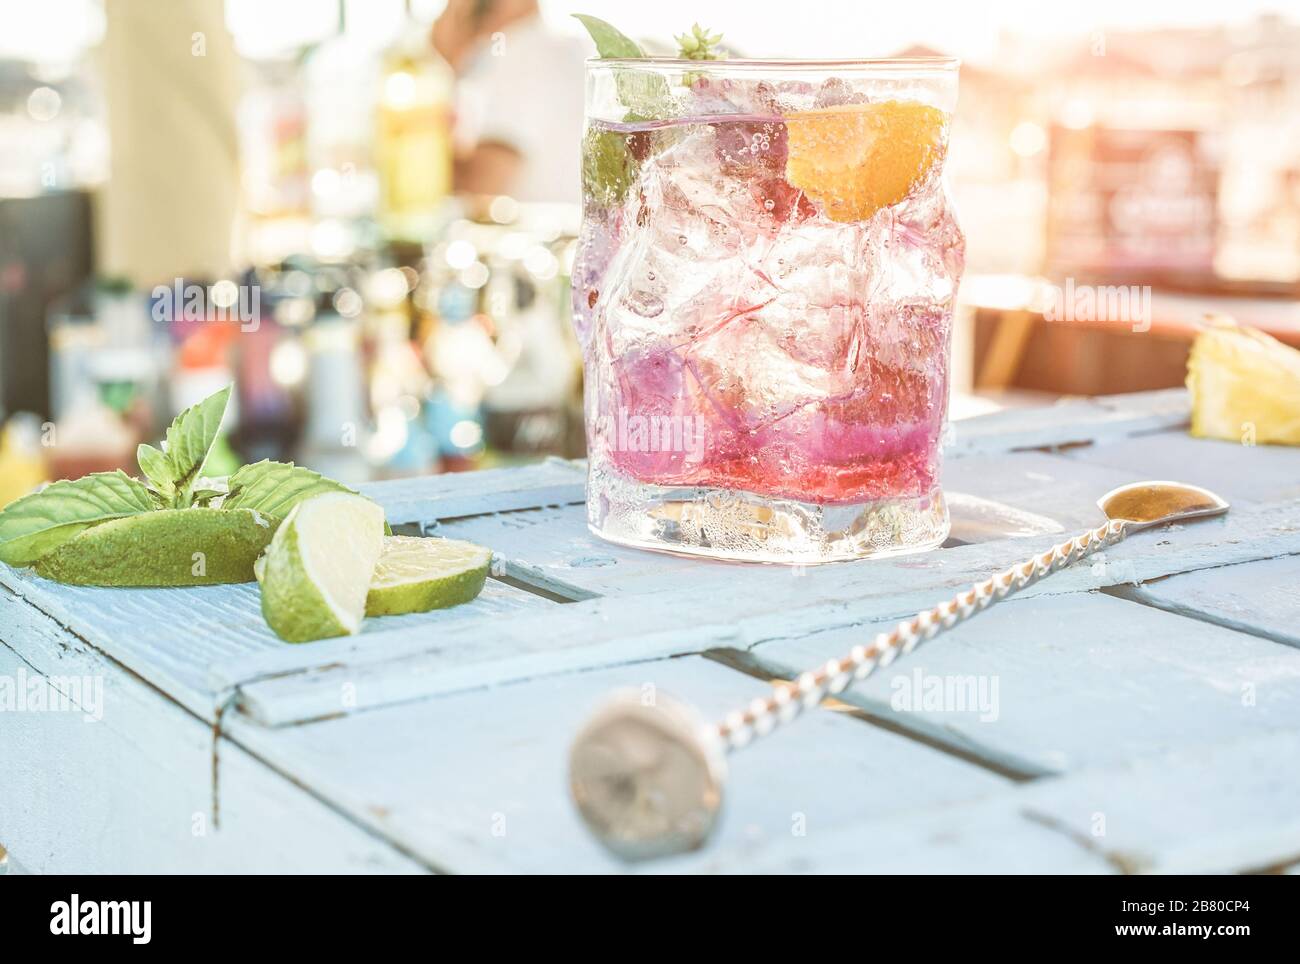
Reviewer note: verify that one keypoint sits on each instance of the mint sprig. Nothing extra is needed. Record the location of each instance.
(173, 472)
(37, 524)
(189, 440)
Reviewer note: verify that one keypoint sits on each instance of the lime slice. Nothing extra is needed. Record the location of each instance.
(317, 569)
(415, 575)
(167, 547)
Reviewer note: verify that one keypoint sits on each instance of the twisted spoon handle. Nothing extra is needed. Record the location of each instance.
(788, 700)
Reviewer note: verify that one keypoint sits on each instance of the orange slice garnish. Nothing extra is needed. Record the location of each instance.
(856, 159)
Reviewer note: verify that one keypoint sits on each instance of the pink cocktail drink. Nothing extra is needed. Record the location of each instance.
(763, 291)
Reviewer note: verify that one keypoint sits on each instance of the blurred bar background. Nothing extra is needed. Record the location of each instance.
(363, 213)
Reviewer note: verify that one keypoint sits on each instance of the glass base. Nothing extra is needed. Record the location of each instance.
(732, 524)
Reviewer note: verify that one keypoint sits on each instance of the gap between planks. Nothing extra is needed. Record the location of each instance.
(1140, 594)
(1018, 771)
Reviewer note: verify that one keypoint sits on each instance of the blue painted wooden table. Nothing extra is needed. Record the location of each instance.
(1136, 713)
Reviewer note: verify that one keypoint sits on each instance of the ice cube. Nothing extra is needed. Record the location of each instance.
(837, 92)
(805, 348)
(681, 268)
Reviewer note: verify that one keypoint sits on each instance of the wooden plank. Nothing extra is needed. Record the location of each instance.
(553, 550)
(471, 655)
(811, 799)
(514, 815)
(683, 616)
(171, 636)
(1239, 473)
(986, 836)
(425, 500)
(1220, 808)
(1070, 422)
(481, 784)
(1049, 485)
(1262, 597)
(1062, 683)
(125, 785)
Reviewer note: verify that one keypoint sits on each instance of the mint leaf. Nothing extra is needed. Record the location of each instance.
(157, 468)
(273, 488)
(189, 439)
(609, 40)
(644, 93)
(607, 166)
(37, 523)
(202, 497)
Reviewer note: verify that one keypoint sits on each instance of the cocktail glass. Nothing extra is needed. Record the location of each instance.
(763, 291)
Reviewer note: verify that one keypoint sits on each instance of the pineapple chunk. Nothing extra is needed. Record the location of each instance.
(1245, 386)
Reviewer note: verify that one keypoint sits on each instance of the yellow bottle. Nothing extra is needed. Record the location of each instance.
(22, 467)
(413, 144)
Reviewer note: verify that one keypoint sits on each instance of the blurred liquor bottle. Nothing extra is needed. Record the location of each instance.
(336, 429)
(22, 459)
(338, 77)
(273, 122)
(413, 145)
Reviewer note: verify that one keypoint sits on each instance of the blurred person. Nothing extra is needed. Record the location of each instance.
(519, 100)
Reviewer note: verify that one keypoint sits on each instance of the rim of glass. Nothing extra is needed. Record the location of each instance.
(864, 64)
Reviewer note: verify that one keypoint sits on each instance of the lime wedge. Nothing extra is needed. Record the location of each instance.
(417, 574)
(168, 547)
(317, 569)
